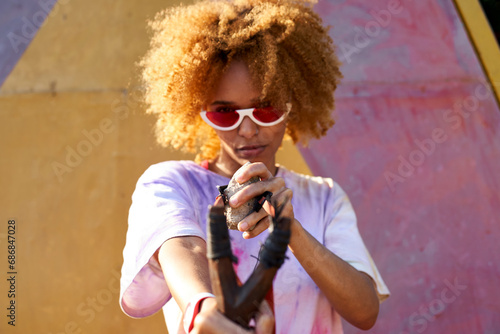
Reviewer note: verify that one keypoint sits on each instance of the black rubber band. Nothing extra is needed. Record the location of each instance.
(261, 199)
(272, 253)
(219, 243)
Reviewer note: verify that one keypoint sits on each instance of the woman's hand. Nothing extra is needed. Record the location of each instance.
(257, 222)
(210, 320)
(351, 292)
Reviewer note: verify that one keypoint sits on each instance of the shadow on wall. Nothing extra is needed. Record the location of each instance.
(492, 10)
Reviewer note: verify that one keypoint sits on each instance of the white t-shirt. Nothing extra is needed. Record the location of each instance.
(171, 199)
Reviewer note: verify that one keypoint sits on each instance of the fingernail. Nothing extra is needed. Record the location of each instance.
(237, 177)
(233, 201)
(243, 226)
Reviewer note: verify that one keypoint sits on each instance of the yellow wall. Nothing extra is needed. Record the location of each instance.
(483, 40)
(77, 79)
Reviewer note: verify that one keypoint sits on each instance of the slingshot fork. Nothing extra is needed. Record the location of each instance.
(241, 303)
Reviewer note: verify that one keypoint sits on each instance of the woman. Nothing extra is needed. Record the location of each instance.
(229, 80)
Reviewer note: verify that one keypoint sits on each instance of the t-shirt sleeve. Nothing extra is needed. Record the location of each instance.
(162, 208)
(342, 237)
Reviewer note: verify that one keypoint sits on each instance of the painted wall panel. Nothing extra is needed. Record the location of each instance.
(66, 177)
(71, 208)
(416, 147)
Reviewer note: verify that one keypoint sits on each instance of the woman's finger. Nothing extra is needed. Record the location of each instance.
(219, 201)
(273, 185)
(264, 322)
(250, 221)
(283, 198)
(249, 170)
(211, 321)
(260, 227)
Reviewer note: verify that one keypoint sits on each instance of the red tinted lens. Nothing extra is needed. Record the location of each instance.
(268, 114)
(224, 119)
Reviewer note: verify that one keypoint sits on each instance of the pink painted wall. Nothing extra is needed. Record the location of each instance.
(417, 148)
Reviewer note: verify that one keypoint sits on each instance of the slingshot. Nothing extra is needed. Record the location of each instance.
(241, 303)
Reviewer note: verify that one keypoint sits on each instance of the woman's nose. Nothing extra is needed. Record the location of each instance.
(248, 128)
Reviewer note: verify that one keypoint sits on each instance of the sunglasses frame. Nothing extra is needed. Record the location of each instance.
(242, 113)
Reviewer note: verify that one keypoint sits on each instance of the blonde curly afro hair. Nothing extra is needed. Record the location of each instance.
(288, 51)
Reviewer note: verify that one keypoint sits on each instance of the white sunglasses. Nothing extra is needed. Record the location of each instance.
(230, 118)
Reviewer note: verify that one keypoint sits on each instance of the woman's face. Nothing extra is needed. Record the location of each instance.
(249, 141)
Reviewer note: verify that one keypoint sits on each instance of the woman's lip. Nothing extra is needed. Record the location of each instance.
(249, 147)
(250, 151)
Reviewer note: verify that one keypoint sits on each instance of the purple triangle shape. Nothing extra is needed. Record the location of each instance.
(19, 23)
